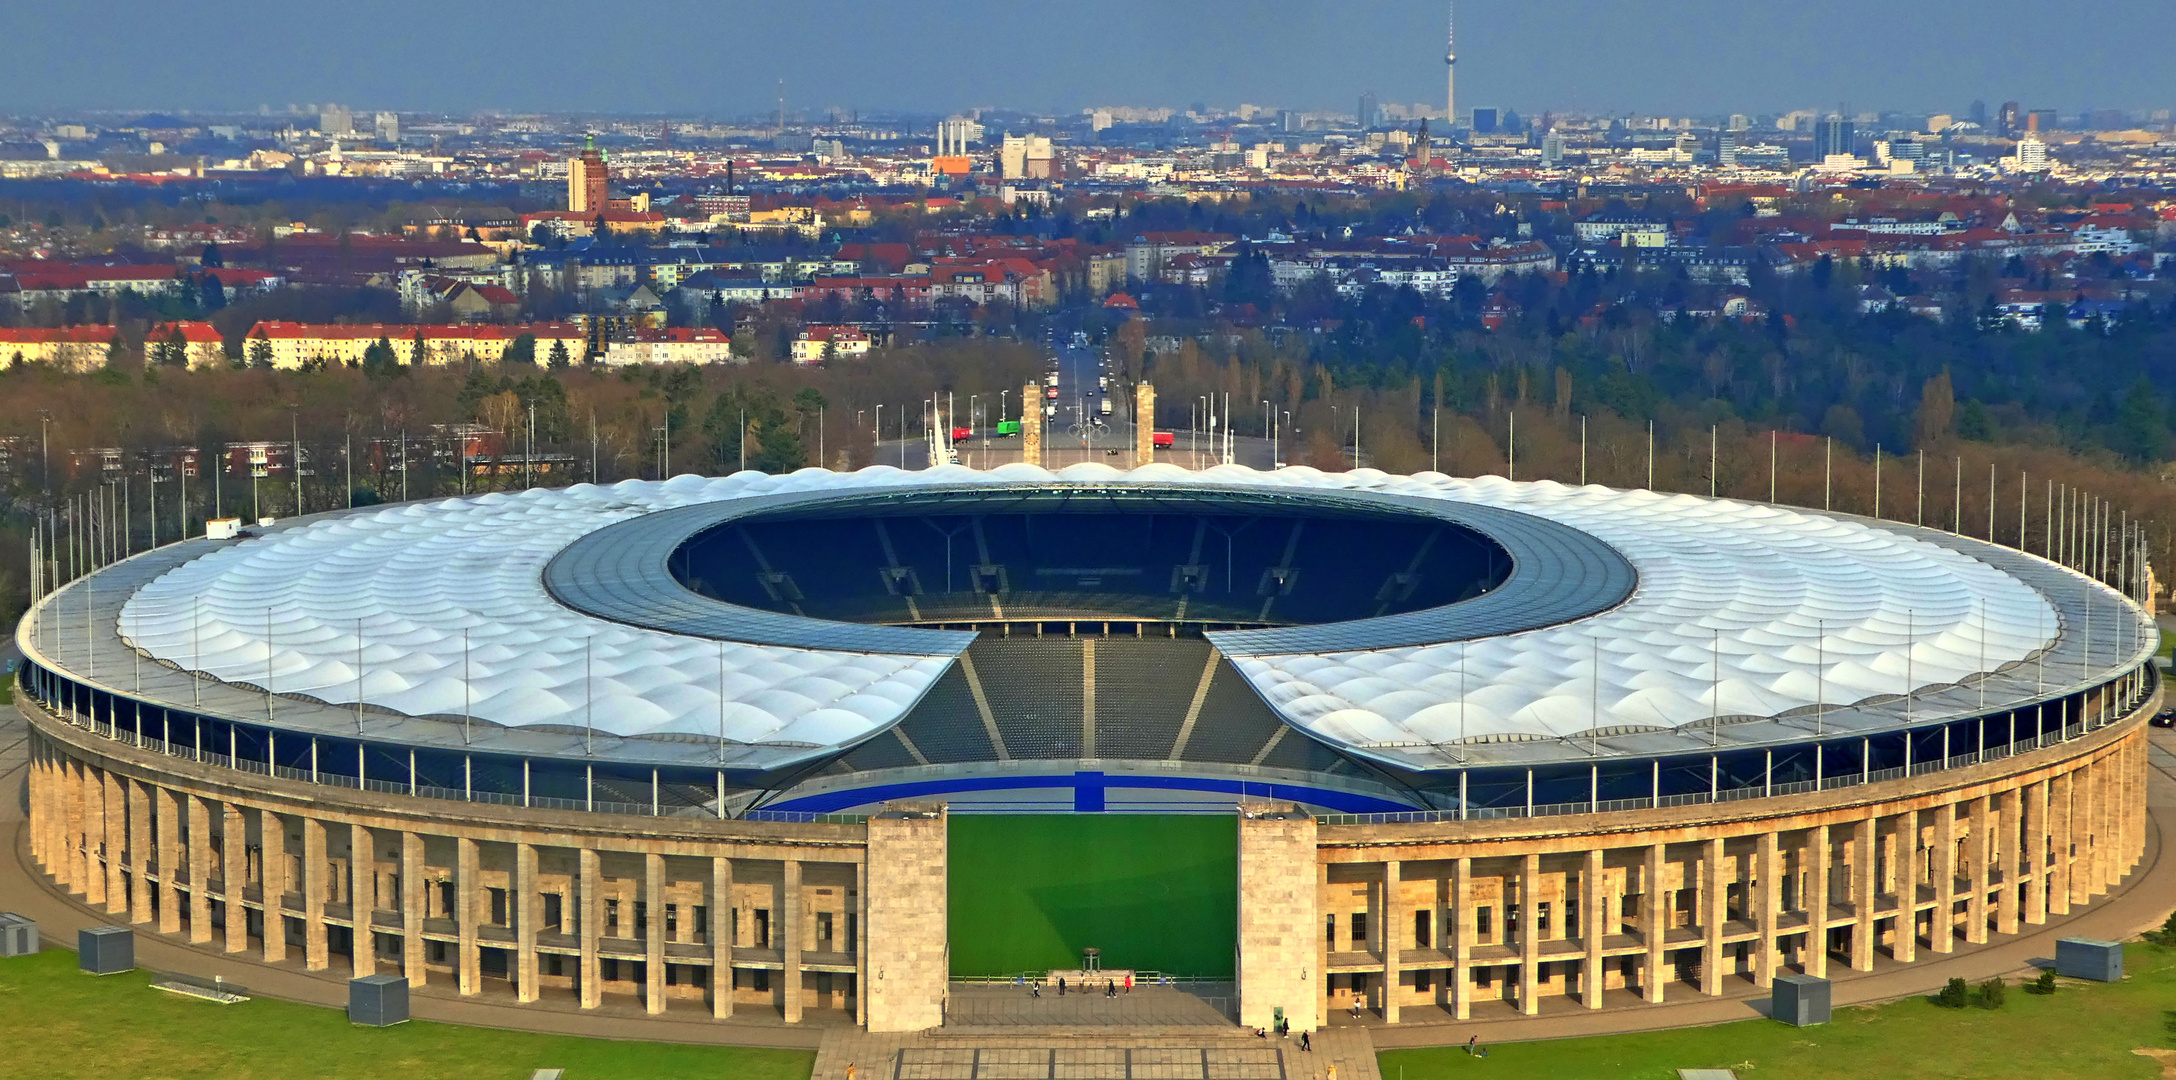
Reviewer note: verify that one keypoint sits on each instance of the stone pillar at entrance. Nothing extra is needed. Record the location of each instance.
(906, 930)
(1277, 917)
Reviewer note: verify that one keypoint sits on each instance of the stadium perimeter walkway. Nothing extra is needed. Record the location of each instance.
(2139, 903)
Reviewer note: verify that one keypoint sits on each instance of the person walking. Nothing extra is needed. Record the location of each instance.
(1061, 986)
(1035, 990)
(1307, 1045)
(1470, 1041)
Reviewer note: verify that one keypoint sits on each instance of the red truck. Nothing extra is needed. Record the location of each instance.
(962, 434)
(1162, 440)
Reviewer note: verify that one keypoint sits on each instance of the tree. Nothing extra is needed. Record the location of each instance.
(1955, 994)
(418, 349)
(1990, 993)
(174, 351)
(1937, 412)
(211, 294)
(521, 350)
(260, 350)
(211, 258)
(559, 358)
(379, 359)
(2140, 431)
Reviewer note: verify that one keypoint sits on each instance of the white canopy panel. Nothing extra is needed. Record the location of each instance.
(1741, 609)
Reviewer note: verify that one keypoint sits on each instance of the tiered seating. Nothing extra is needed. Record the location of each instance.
(945, 727)
(1034, 689)
(1234, 723)
(1143, 688)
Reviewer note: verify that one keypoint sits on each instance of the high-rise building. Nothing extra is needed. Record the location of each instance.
(2042, 120)
(336, 120)
(1484, 121)
(2009, 120)
(1726, 149)
(1740, 122)
(1371, 111)
(1977, 114)
(388, 125)
(1833, 135)
(1025, 157)
(2032, 154)
(1552, 149)
(589, 179)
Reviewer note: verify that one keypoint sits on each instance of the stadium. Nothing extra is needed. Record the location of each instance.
(828, 747)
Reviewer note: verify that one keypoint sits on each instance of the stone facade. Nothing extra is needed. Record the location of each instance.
(1277, 965)
(908, 962)
(1413, 920)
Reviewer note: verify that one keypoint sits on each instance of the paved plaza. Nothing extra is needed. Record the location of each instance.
(982, 1005)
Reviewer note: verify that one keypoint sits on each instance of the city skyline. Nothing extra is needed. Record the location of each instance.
(1662, 57)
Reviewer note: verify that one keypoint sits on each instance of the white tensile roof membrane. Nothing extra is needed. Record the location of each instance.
(1793, 603)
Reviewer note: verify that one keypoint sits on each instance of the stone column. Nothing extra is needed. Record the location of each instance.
(74, 858)
(1714, 908)
(1654, 926)
(1144, 426)
(272, 855)
(139, 850)
(592, 918)
(168, 825)
(1530, 934)
(2080, 875)
(1862, 895)
(200, 870)
(412, 952)
(2035, 862)
(1816, 902)
(1980, 849)
(363, 900)
(1770, 871)
(794, 921)
(2104, 818)
(653, 895)
(2059, 841)
(1942, 932)
(316, 952)
(94, 836)
(1905, 948)
(234, 874)
(721, 939)
(1325, 944)
(1394, 931)
(40, 786)
(861, 939)
(525, 916)
(465, 887)
(114, 798)
(1592, 928)
(2006, 859)
(905, 929)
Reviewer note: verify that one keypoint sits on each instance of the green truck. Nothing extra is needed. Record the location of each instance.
(1007, 429)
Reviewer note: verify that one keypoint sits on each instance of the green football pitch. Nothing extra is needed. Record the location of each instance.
(1154, 892)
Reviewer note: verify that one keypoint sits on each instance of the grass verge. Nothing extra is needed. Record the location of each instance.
(63, 1024)
(2084, 1031)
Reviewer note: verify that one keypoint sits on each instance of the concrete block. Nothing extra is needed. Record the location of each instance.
(378, 1000)
(2087, 958)
(18, 935)
(106, 950)
(1800, 1000)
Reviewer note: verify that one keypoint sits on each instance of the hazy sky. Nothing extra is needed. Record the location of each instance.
(725, 57)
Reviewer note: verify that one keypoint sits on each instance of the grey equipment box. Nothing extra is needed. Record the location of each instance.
(106, 950)
(18, 935)
(1800, 1000)
(2085, 958)
(378, 1000)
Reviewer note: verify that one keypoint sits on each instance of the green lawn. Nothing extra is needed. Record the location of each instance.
(1155, 892)
(2085, 1031)
(62, 1023)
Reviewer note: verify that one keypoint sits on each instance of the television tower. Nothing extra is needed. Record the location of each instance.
(1450, 64)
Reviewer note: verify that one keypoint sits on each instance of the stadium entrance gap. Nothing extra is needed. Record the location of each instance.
(1151, 892)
